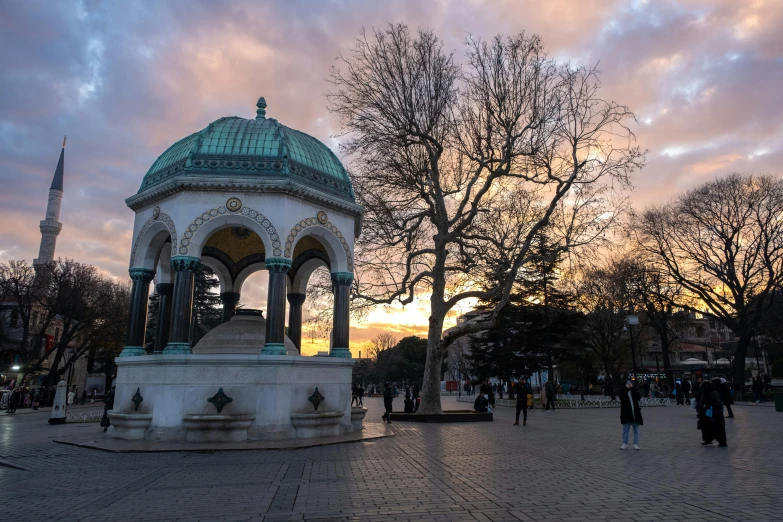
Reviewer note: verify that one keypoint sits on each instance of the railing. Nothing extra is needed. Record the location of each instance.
(574, 402)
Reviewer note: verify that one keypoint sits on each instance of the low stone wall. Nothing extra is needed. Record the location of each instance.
(82, 416)
(573, 403)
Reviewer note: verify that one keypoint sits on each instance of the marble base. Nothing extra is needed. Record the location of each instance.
(357, 417)
(317, 424)
(217, 428)
(268, 390)
(129, 426)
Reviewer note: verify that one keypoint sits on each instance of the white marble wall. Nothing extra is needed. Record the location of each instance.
(269, 387)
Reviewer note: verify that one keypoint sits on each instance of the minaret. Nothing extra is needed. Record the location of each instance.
(50, 227)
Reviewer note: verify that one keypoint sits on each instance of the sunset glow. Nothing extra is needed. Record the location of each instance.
(124, 83)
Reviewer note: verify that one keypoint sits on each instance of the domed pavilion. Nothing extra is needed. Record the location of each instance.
(239, 196)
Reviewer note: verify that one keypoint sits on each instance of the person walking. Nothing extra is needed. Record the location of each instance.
(725, 395)
(71, 397)
(686, 390)
(757, 387)
(630, 414)
(551, 396)
(711, 421)
(697, 391)
(542, 398)
(388, 397)
(360, 394)
(108, 404)
(522, 391)
(13, 401)
(678, 392)
(354, 396)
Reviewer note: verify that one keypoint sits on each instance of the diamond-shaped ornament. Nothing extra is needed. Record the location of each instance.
(137, 398)
(316, 398)
(220, 399)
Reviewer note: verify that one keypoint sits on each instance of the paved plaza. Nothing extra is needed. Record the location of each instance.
(562, 466)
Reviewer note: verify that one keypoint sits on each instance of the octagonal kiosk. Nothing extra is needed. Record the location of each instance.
(239, 196)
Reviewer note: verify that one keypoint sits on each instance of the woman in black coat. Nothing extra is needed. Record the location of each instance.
(630, 414)
(711, 421)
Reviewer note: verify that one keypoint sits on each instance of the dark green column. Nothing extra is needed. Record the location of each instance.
(341, 287)
(165, 291)
(230, 300)
(295, 302)
(182, 304)
(275, 306)
(137, 314)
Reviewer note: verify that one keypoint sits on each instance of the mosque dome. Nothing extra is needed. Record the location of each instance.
(260, 150)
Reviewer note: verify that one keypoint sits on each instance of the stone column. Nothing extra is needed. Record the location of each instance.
(295, 302)
(137, 314)
(275, 306)
(184, 268)
(341, 287)
(230, 300)
(165, 291)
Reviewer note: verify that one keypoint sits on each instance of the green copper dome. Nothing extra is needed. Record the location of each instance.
(262, 149)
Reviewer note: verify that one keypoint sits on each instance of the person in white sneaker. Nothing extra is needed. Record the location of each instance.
(630, 414)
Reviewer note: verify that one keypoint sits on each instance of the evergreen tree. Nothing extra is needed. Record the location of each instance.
(536, 329)
(207, 305)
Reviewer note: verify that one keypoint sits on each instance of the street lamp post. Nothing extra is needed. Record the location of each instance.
(632, 320)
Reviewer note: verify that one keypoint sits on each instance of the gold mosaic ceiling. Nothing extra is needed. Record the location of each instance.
(239, 242)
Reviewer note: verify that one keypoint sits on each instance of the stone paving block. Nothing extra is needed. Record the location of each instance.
(426, 472)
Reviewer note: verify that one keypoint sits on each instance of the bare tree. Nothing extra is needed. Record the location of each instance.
(66, 295)
(604, 298)
(459, 166)
(375, 347)
(723, 243)
(656, 293)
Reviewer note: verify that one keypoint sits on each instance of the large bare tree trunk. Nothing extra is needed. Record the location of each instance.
(430, 391)
(738, 366)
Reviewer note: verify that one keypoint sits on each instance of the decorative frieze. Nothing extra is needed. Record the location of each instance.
(163, 218)
(317, 221)
(266, 224)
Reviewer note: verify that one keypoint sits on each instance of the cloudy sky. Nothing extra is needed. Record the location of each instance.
(124, 80)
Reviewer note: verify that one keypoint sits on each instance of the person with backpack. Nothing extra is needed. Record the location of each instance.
(388, 397)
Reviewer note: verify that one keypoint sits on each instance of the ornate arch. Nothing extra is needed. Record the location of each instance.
(322, 223)
(156, 217)
(184, 244)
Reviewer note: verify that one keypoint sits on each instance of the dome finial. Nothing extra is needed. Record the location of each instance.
(261, 112)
